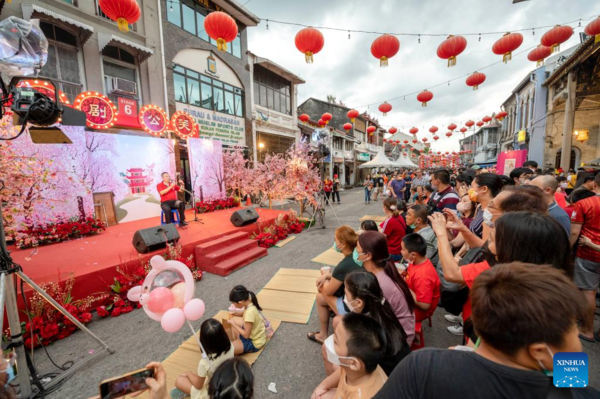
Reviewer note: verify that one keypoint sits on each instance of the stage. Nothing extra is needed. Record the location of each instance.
(94, 259)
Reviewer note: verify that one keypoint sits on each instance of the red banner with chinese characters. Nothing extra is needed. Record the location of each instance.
(128, 113)
(100, 112)
(184, 125)
(42, 86)
(153, 120)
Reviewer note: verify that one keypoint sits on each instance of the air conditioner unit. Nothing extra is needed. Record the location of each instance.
(120, 86)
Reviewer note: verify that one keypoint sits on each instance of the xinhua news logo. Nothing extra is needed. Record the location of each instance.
(570, 370)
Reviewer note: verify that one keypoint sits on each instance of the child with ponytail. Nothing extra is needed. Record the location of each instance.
(251, 326)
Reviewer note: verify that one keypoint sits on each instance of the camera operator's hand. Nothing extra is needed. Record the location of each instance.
(158, 384)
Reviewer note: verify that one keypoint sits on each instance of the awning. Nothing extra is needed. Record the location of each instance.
(105, 39)
(380, 161)
(33, 11)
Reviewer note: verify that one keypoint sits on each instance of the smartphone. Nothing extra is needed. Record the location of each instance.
(118, 387)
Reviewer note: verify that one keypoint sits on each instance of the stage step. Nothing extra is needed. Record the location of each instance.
(226, 254)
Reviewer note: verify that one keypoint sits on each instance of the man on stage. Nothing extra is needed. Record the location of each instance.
(168, 198)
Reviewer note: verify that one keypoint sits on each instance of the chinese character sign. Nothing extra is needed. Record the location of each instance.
(184, 125)
(100, 113)
(153, 120)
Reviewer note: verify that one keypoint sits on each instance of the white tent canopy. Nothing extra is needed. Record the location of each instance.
(380, 161)
(403, 161)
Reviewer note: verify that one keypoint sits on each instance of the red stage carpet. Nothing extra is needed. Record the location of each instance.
(94, 259)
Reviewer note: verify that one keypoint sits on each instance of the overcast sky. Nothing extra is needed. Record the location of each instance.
(346, 69)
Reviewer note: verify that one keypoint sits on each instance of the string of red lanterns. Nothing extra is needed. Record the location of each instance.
(506, 45)
(309, 41)
(385, 47)
(424, 97)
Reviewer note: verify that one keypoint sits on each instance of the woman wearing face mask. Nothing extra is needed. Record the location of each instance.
(466, 210)
(372, 253)
(331, 285)
(394, 228)
(518, 236)
(363, 295)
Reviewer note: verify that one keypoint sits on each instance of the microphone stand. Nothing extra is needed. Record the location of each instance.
(193, 205)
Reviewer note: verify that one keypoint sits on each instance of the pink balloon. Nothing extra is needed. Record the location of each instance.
(172, 320)
(161, 300)
(194, 309)
(178, 292)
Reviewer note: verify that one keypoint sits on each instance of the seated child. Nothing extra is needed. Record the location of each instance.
(218, 349)
(422, 277)
(233, 379)
(251, 326)
(357, 346)
(368, 225)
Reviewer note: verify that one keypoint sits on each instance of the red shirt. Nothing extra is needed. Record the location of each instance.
(587, 213)
(561, 200)
(394, 229)
(170, 195)
(424, 281)
(328, 186)
(469, 273)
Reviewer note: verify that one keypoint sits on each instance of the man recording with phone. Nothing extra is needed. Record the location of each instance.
(168, 198)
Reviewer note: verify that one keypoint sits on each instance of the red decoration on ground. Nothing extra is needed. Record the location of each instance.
(124, 12)
(500, 115)
(100, 112)
(538, 54)
(385, 47)
(184, 125)
(469, 123)
(433, 129)
(309, 41)
(450, 48)
(436, 137)
(449, 134)
(424, 97)
(385, 108)
(413, 130)
(371, 129)
(452, 126)
(304, 118)
(221, 27)
(555, 36)
(393, 130)
(593, 29)
(507, 44)
(352, 114)
(475, 79)
(486, 119)
(348, 126)
(480, 123)
(326, 117)
(153, 120)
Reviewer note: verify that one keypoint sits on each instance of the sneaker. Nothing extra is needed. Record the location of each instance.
(453, 319)
(456, 330)
(178, 394)
(182, 224)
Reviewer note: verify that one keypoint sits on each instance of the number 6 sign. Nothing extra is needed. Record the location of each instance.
(128, 114)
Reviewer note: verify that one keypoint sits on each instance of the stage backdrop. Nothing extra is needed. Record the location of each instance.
(509, 160)
(206, 168)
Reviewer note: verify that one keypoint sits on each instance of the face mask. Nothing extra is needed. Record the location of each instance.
(333, 357)
(336, 248)
(563, 185)
(547, 373)
(434, 187)
(473, 195)
(9, 370)
(413, 226)
(487, 218)
(355, 256)
(348, 304)
(463, 207)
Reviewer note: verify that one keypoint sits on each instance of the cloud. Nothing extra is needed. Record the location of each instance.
(346, 68)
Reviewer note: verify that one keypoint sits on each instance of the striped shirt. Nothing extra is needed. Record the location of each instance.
(445, 199)
(420, 181)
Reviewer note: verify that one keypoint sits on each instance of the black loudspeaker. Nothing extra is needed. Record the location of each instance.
(244, 216)
(153, 238)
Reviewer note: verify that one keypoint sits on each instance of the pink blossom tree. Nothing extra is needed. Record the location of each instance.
(270, 178)
(302, 175)
(238, 172)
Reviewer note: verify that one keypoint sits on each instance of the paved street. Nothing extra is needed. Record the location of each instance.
(289, 360)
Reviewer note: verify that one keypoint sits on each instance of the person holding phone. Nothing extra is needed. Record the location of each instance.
(152, 378)
(168, 198)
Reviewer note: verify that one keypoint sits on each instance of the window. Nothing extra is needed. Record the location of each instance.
(271, 90)
(63, 60)
(202, 91)
(189, 15)
(120, 74)
(349, 145)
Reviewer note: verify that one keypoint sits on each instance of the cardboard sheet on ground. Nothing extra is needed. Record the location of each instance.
(287, 306)
(329, 258)
(188, 355)
(375, 218)
(282, 243)
(294, 280)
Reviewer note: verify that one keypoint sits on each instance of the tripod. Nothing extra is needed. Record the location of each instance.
(8, 299)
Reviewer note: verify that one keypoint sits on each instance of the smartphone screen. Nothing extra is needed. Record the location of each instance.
(125, 385)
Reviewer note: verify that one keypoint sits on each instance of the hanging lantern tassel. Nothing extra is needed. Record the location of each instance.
(221, 44)
(451, 61)
(555, 48)
(539, 63)
(123, 25)
(507, 57)
(383, 62)
(475, 87)
(424, 104)
(309, 57)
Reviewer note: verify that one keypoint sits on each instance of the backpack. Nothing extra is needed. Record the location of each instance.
(453, 301)
(432, 205)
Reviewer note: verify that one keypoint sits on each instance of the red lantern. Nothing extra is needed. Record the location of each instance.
(125, 12)
(506, 45)
(469, 123)
(451, 126)
(475, 79)
(593, 29)
(538, 54)
(352, 114)
(309, 41)
(486, 119)
(221, 28)
(463, 130)
(326, 117)
(403, 146)
(424, 139)
(304, 118)
(347, 126)
(321, 123)
(393, 130)
(384, 48)
(385, 108)
(413, 130)
(449, 134)
(436, 137)
(555, 36)
(415, 141)
(405, 141)
(384, 140)
(480, 123)
(424, 97)
(433, 129)
(450, 48)
(500, 115)
(371, 129)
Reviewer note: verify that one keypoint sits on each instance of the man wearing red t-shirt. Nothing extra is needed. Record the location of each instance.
(168, 199)
(585, 227)
(422, 278)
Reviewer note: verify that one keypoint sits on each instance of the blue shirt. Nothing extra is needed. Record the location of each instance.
(560, 216)
(397, 186)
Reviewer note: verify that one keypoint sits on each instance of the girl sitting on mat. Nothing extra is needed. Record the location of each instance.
(218, 349)
(251, 326)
